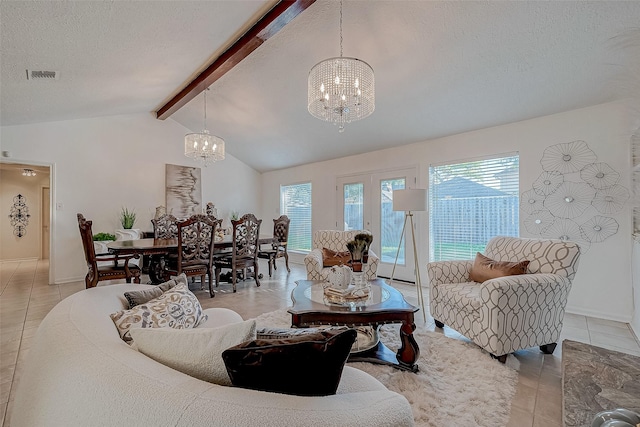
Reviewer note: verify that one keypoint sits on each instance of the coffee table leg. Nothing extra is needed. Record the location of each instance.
(409, 352)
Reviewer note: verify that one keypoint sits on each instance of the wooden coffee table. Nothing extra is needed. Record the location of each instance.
(385, 305)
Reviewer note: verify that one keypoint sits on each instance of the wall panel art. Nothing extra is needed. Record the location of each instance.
(183, 190)
(572, 197)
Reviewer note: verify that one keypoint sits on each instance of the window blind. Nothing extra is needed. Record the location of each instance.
(471, 202)
(295, 202)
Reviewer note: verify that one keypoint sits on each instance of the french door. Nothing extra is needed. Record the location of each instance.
(365, 202)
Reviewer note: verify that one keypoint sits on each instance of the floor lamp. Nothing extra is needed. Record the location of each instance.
(409, 201)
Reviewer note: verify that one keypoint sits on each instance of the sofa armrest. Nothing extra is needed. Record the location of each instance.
(449, 271)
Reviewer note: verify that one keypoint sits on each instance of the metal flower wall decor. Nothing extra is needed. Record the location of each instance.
(569, 199)
(19, 215)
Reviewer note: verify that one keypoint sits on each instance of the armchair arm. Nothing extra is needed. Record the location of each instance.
(527, 309)
(449, 271)
(313, 264)
(371, 267)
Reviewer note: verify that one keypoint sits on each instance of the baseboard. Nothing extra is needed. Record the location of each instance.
(19, 260)
(598, 314)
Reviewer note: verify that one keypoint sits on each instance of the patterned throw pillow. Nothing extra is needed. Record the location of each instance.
(331, 258)
(485, 268)
(140, 297)
(177, 308)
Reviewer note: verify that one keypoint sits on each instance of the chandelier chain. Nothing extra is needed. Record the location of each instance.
(340, 28)
(205, 108)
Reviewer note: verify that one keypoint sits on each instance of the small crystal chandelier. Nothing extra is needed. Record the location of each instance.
(28, 172)
(342, 89)
(203, 146)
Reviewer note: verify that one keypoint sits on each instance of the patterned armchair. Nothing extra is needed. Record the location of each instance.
(508, 313)
(336, 241)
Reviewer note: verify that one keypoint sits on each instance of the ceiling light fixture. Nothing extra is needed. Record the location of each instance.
(341, 90)
(203, 146)
(28, 172)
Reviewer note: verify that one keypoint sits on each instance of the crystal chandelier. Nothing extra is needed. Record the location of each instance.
(28, 172)
(203, 146)
(342, 89)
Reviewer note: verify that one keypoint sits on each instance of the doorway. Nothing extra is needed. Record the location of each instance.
(34, 182)
(365, 202)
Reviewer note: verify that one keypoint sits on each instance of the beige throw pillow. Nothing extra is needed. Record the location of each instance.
(195, 352)
(485, 268)
(177, 308)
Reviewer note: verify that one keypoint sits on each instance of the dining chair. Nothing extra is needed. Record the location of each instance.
(117, 267)
(244, 252)
(196, 236)
(278, 247)
(165, 227)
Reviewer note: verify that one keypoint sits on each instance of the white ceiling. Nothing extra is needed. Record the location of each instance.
(441, 67)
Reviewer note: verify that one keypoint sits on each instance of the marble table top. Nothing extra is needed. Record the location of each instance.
(595, 379)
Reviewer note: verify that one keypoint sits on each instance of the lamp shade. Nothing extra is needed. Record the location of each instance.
(414, 199)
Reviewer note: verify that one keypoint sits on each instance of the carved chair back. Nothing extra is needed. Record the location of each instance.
(196, 237)
(246, 231)
(165, 227)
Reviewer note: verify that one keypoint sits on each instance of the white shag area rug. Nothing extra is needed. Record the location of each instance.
(458, 384)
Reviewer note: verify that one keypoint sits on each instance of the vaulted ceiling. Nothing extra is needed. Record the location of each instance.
(441, 67)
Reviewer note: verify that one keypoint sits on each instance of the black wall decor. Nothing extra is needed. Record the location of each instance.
(19, 215)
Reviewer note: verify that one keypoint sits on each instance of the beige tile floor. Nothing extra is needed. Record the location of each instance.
(26, 298)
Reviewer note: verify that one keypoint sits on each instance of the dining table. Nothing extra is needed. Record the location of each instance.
(158, 250)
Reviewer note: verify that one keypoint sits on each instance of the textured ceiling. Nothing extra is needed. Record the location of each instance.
(441, 67)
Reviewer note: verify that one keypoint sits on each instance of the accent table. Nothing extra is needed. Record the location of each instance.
(385, 305)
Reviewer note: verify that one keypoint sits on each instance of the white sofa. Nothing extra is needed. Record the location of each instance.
(80, 373)
(336, 240)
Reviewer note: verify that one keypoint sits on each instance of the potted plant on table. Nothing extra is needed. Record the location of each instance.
(127, 218)
(359, 250)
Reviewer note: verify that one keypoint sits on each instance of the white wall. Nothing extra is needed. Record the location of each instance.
(103, 164)
(602, 287)
(12, 183)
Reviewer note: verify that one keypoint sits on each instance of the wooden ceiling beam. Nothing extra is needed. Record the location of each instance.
(266, 27)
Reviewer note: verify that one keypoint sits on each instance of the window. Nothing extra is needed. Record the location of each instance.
(471, 202)
(295, 202)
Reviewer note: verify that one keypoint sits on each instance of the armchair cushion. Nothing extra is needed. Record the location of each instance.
(331, 257)
(484, 268)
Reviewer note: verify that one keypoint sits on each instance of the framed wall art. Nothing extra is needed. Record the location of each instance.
(183, 190)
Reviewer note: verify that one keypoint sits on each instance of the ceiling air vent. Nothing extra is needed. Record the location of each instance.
(42, 75)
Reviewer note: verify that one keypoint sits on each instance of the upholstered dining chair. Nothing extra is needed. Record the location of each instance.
(328, 246)
(103, 266)
(520, 301)
(196, 236)
(278, 247)
(244, 252)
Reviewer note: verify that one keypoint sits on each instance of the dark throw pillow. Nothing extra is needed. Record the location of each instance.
(331, 258)
(135, 298)
(304, 365)
(485, 268)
